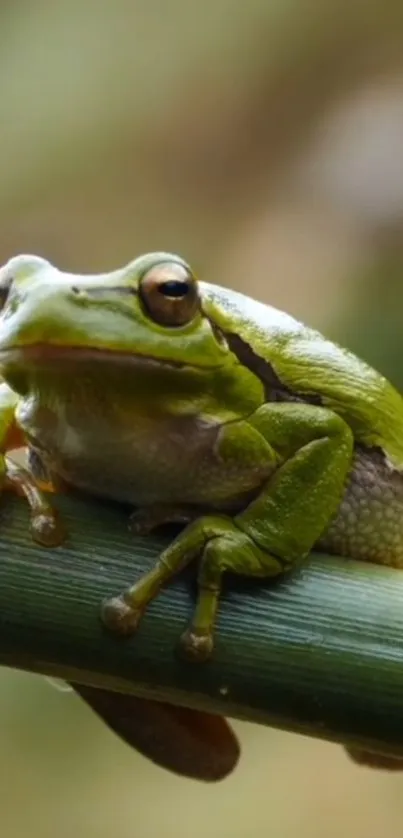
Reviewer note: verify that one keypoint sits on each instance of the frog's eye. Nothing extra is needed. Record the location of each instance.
(170, 294)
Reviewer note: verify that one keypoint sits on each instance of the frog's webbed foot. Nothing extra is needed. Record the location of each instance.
(197, 645)
(46, 528)
(145, 519)
(122, 613)
(220, 546)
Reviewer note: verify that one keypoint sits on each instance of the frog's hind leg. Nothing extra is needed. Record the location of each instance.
(221, 546)
(223, 553)
(279, 526)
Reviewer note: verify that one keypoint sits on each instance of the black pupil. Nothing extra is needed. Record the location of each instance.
(174, 288)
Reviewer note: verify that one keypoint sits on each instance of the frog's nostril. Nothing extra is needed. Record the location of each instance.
(79, 293)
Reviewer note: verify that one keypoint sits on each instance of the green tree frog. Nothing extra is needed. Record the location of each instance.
(197, 405)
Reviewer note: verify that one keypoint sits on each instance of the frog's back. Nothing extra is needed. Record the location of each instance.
(313, 367)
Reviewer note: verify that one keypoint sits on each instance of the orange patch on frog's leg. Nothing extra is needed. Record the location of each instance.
(15, 438)
(53, 488)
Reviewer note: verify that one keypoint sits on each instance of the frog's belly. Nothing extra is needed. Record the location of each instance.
(176, 461)
(165, 462)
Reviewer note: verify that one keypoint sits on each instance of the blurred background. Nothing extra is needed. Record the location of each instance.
(264, 142)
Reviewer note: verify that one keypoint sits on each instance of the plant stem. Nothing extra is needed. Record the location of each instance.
(319, 653)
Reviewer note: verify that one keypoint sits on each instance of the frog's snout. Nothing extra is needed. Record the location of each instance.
(98, 292)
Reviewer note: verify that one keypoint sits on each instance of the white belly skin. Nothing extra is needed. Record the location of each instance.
(141, 460)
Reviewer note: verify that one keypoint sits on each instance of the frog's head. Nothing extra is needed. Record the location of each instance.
(149, 312)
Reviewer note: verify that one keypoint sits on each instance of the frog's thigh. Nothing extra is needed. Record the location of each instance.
(244, 451)
(298, 501)
(279, 526)
(291, 511)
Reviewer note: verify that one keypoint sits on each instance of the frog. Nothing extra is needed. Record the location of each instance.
(196, 405)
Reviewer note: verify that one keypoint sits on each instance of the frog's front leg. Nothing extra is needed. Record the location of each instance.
(46, 528)
(279, 527)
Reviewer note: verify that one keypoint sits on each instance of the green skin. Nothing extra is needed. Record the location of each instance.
(269, 440)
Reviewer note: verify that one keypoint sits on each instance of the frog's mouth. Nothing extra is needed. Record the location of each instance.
(49, 355)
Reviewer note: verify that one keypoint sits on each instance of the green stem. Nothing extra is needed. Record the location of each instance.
(320, 653)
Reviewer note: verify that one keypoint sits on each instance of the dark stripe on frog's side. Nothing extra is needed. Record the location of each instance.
(368, 525)
(275, 390)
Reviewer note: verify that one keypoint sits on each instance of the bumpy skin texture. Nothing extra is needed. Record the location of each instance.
(195, 403)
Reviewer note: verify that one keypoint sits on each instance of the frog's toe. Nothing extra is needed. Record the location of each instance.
(119, 616)
(196, 646)
(47, 530)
